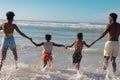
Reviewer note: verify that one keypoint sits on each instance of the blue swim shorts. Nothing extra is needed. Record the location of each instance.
(8, 42)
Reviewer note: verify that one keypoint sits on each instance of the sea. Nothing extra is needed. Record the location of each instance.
(29, 56)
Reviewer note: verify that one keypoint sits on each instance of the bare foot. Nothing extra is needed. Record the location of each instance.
(44, 68)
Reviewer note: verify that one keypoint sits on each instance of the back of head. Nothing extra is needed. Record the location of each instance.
(113, 16)
(79, 35)
(48, 37)
(10, 15)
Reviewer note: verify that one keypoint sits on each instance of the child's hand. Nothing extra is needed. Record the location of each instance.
(66, 47)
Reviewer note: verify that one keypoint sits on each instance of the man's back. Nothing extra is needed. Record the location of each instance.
(113, 32)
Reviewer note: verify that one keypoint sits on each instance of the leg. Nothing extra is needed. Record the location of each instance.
(15, 57)
(106, 58)
(113, 63)
(77, 66)
(50, 64)
(45, 64)
(3, 57)
(78, 62)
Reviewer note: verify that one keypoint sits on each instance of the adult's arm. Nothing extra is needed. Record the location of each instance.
(21, 33)
(102, 35)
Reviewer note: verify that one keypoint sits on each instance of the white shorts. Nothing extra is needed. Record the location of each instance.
(111, 48)
(8, 42)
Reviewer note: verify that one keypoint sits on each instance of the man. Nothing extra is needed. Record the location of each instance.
(8, 39)
(111, 48)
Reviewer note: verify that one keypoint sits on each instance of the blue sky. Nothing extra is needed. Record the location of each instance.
(61, 10)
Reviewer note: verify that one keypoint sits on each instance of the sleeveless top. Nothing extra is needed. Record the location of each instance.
(47, 47)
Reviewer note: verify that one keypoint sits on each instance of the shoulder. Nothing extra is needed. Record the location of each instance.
(83, 42)
(14, 25)
(76, 40)
(3, 25)
(108, 25)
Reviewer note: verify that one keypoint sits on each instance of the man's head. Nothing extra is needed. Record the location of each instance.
(10, 15)
(48, 37)
(80, 36)
(112, 17)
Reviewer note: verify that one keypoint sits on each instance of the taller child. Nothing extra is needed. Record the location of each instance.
(8, 38)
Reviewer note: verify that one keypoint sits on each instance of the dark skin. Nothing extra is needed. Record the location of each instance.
(113, 31)
(7, 29)
(78, 43)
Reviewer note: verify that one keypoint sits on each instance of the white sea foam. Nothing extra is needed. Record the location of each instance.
(30, 57)
(57, 24)
(27, 72)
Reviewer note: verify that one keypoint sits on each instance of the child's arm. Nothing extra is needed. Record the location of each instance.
(86, 44)
(70, 45)
(58, 45)
(36, 43)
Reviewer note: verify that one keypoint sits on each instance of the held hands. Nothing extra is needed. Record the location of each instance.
(66, 47)
(30, 38)
(92, 43)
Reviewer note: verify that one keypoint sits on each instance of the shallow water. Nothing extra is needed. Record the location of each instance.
(29, 61)
(30, 66)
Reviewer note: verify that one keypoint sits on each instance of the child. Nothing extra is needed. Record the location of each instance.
(47, 50)
(77, 56)
(8, 37)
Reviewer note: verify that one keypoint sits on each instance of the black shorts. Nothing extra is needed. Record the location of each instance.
(77, 57)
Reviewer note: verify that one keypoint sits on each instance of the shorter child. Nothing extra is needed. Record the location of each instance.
(47, 50)
(77, 56)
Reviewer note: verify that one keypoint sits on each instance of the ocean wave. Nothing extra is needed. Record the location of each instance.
(90, 50)
(57, 24)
